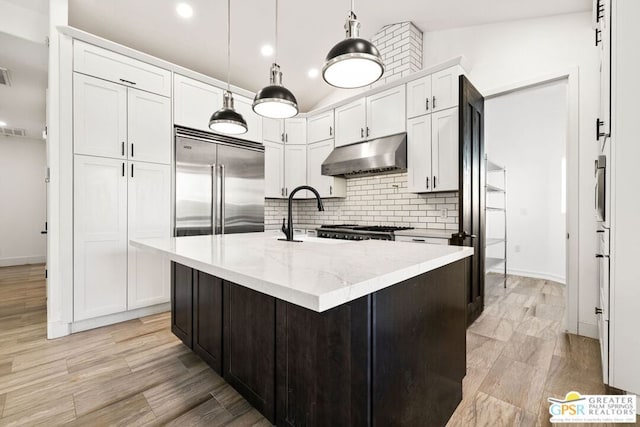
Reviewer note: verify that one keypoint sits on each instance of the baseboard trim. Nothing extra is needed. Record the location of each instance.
(22, 260)
(588, 330)
(57, 329)
(98, 322)
(532, 274)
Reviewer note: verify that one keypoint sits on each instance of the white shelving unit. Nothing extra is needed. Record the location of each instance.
(491, 262)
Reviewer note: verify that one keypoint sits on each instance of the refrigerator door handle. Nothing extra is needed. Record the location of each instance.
(222, 198)
(214, 198)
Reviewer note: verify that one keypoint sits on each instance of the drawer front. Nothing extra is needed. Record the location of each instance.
(603, 333)
(102, 63)
(418, 239)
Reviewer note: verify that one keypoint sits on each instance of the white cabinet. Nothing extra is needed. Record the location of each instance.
(295, 169)
(273, 169)
(327, 186)
(603, 41)
(254, 122)
(194, 102)
(386, 113)
(351, 121)
(100, 237)
(149, 216)
(444, 150)
(99, 117)
(419, 154)
(273, 130)
(444, 88)
(320, 127)
(419, 97)
(422, 239)
(295, 131)
(111, 120)
(99, 62)
(149, 127)
(377, 115)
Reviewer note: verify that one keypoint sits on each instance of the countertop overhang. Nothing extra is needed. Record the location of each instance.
(318, 274)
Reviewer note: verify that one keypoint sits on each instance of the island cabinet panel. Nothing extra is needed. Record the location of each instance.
(419, 348)
(182, 302)
(249, 346)
(322, 365)
(207, 319)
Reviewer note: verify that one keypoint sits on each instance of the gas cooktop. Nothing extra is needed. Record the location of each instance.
(359, 232)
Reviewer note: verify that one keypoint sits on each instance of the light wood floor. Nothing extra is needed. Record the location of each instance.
(138, 373)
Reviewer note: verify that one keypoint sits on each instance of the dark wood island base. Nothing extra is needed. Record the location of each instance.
(395, 357)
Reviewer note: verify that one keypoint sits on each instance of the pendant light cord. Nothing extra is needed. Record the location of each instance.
(275, 56)
(228, 45)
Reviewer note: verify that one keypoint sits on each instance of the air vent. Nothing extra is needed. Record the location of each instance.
(13, 132)
(4, 77)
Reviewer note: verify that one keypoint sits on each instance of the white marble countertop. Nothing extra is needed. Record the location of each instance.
(435, 233)
(317, 274)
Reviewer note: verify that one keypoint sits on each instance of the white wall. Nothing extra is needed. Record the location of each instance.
(23, 200)
(526, 131)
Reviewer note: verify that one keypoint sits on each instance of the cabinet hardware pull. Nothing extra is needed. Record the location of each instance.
(286, 137)
(427, 102)
(331, 190)
(122, 148)
(602, 256)
(282, 191)
(598, 40)
(427, 179)
(598, 310)
(122, 168)
(282, 137)
(361, 132)
(330, 130)
(598, 133)
(367, 131)
(127, 81)
(418, 240)
(131, 170)
(433, 104)
(286, 192)
(434, 181)
(132, 149)
(600, 9)
(599, 231)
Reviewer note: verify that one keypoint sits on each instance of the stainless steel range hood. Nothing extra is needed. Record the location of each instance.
(375, 157)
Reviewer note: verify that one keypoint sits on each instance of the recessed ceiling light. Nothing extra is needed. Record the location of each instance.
(184, 10)
(2, 124)
(313, 73)
(267, 50)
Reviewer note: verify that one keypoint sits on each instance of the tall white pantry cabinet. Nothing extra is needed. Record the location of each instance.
(122, 137)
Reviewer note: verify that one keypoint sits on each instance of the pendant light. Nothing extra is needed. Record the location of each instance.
(227, 120)
(275, 101)
(353, 62)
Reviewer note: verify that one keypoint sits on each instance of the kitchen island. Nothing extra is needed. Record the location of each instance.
(325, 332)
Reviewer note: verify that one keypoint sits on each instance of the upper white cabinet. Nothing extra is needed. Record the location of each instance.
(95, 61)
(99, 117)
(320, 127)
(254, 121)
(111, 120)
(194, 102)
(419, 97)
(444, 148)
(444, 88)
(377, 115)
(100, 237)
(149, 127)
(419, 177)
(273, 130)
(386, 113)
(295, 172)
(149, 216)
(351, 121)
(295, 131)
(327, 186)
(273, 169)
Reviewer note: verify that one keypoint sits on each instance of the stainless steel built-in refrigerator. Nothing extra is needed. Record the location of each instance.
(219, 184)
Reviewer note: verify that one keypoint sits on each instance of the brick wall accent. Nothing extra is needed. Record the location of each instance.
(401, 48)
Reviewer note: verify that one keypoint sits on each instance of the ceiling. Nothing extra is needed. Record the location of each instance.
(22, 105)
(307, 30)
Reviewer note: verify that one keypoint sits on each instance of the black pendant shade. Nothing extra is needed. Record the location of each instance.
(275, 101)
(227, 119)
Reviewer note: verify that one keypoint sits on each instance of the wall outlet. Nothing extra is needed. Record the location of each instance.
(443, 213)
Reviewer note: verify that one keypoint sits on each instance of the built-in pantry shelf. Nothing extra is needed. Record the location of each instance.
(492, 169)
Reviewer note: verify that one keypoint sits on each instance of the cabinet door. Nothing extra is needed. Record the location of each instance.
(273, 170)
(320, 127)
(386, 113)
(182, 303)
(273, 130)
(254, 121)
(207, 319)
(444, 89)
(295, 131)
(327, 186)
(295, 170)
(149, 207)
(99, 117)
(419, 97)
(444, 149)
(149, 127)
(350, 122)
(604, 26)
(195, 102)
(419, 154)
(100, 237)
